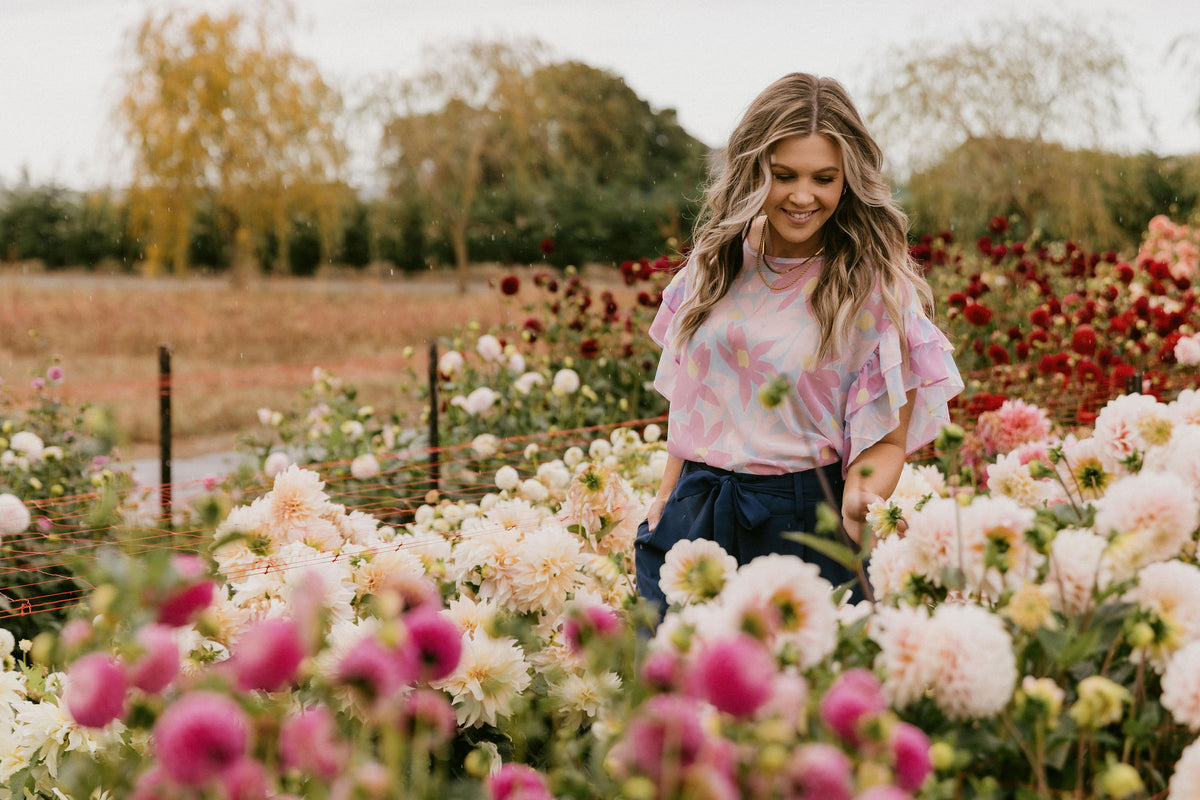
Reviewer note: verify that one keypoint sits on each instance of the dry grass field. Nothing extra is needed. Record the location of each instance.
(234, 350)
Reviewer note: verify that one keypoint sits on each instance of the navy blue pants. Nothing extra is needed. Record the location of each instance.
(746, 514)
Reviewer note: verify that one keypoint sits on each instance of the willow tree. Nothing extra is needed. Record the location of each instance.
(221, 113)
(447, 121)
(991, 111)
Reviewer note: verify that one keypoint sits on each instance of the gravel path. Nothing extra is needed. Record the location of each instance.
(187, 478)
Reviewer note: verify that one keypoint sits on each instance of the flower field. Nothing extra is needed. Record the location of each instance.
(358, 615)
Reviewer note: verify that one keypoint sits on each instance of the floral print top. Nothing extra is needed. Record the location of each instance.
(839, 407)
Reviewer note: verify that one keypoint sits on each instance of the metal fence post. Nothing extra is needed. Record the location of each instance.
(434, 454)
(164, 433)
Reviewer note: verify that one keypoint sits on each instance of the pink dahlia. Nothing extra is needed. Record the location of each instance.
(200, 737)
(589, 623)
(194, 594)
(517, 782)
(437, 640)
(95, 690)
(428, 715)
(376, 671)
(268, 655)
(910, 750)
(309, 742)
(854, 695)
(245, 780)
(667, 726)
(734, 674)
(159, 662)
(821, 772)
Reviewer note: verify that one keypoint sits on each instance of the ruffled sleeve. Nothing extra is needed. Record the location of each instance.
(662, 331)
(880, 388)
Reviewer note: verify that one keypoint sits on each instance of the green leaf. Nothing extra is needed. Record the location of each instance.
(835, 550)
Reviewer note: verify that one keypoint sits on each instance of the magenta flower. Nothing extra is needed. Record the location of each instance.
(200, 737)
(376, 671)
(910, 749)
(76, 633)
(245, 780)
(268, 655)
(194, 594)
(734, 675)
(438, 642)
(152, 784)
(884, 793)
(517, 782)
(822, 772)
(589, 623)
(667, 726)
(182, 606)
(55, 373)
(854, 695)
(662, 670)
(309, 742)
(95, 690)
(159, 663)
(429, 713)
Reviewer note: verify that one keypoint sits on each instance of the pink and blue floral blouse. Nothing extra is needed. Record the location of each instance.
(839, 407)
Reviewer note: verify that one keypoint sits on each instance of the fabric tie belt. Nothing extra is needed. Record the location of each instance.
(729, 497)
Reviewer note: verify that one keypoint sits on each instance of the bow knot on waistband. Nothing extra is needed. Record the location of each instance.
(728, 497)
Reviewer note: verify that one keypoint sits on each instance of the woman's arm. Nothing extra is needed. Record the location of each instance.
(883, 462)
(669, 479)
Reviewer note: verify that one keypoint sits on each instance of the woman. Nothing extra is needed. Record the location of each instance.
(799, 272)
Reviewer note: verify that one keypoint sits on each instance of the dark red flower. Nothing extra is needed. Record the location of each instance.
(1039, 335)
(977, 314)
(998, 225)
(1022, 350)
(589, 348)
(1083, 341)
(1089, 371)
(957, 300)
(946, 236)
(1124, 272)
(1040, 317)
(510, 284)
(984, 244)
(547, 246)
(997, 354)
(1120, 374)
(533, 327)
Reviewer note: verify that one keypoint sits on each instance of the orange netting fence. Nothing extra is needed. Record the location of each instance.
(35, 567)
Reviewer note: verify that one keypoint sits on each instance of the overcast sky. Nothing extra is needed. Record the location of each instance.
(60, 59)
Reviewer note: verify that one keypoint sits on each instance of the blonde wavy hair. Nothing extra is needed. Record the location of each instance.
(866, 239)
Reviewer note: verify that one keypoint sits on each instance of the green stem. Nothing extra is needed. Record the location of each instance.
(1034, 756)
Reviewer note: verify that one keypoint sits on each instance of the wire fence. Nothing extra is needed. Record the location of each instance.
(36, 567)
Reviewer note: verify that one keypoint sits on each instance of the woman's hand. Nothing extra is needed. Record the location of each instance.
(854, 511)
(654, 513)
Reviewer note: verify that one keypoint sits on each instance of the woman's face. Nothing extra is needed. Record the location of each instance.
(806, 185)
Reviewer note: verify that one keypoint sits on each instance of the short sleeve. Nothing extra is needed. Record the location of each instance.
(880, 388)
(662, 331)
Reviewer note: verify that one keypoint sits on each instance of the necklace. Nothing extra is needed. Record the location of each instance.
(802, 267)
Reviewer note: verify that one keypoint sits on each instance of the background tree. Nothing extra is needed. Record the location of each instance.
(604, 176)
(221, 113)
(443, 122)
(993, 112)
(497, 150)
